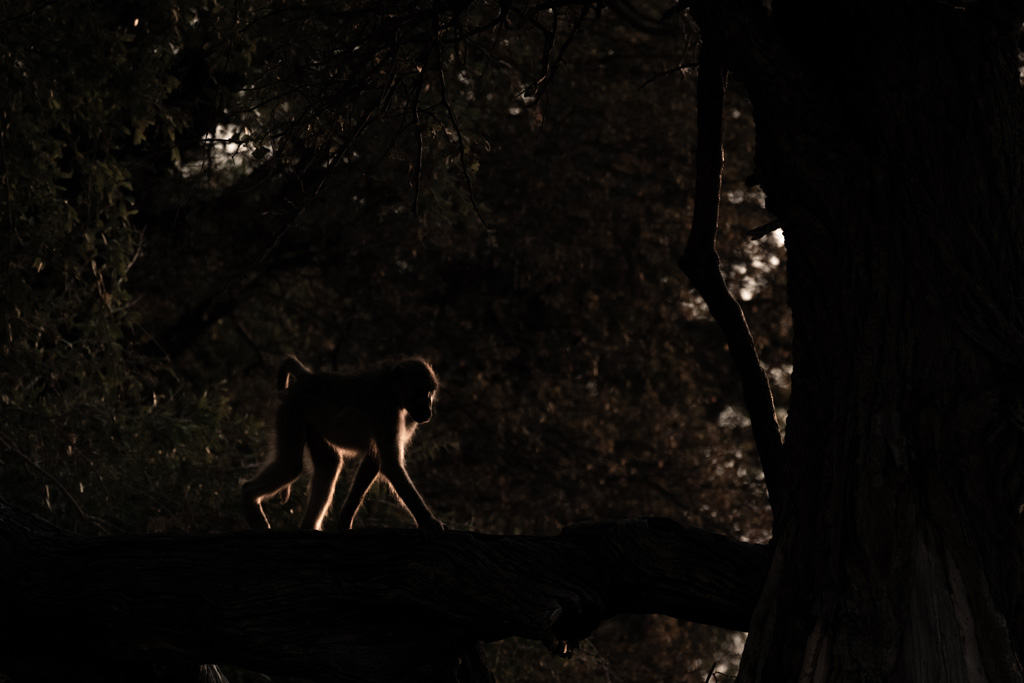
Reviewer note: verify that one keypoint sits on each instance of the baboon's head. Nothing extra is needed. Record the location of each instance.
(415, 385)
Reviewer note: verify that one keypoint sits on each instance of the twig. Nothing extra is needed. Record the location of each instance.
(550, 66)
(95, 521)
(442, 81)
(418, 170)
(661, 74)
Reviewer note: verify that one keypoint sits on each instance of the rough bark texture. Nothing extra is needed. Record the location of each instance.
(368, 605)
(889, 145)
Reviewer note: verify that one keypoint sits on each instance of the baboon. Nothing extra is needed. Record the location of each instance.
(370, 414)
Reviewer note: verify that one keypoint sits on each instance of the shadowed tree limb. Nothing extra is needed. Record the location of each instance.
(366, 605)
(700, 262)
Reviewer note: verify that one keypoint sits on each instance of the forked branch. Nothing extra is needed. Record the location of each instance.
(701, 264)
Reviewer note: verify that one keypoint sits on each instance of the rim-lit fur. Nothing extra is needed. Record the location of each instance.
(371, 415)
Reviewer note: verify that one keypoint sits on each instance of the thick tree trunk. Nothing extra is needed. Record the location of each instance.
(889, 145)
(368, 605)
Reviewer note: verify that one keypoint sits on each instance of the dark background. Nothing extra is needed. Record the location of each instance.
(192, 190)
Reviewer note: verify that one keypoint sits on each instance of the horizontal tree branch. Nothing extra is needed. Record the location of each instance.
(365, 605)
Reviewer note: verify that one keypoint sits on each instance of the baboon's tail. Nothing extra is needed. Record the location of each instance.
(290, 366)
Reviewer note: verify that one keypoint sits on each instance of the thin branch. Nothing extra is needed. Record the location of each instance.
(762, 230)
(550, 67)
(91, 519)
(415, 106)
(700, 262)
(241, 329)
(442, 81)
(679, 68)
